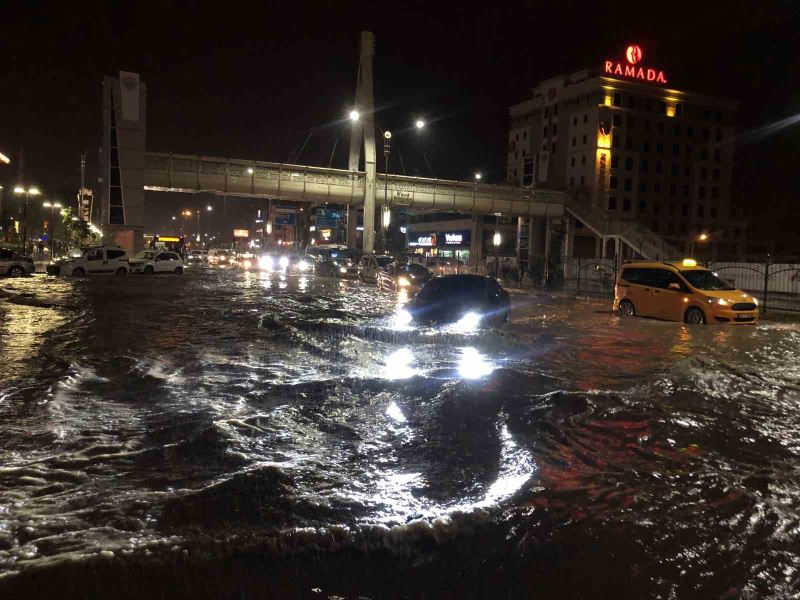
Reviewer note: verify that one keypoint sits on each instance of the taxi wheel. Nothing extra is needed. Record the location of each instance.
(626, 309)
(79, 272)
(148, 270)
(179, 270)
(16, 271)
(694, 316)
(121, 271)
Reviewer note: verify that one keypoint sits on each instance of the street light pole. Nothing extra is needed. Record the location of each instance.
(52, 206)
(31, 191)
(387, 138)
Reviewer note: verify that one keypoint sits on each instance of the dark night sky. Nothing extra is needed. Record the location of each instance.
(249, 80)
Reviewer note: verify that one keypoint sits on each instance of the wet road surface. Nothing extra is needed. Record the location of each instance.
(281, 434)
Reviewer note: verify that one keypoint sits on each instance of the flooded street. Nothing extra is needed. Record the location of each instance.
(280, 433)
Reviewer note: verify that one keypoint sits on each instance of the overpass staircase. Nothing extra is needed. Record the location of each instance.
(639, 238)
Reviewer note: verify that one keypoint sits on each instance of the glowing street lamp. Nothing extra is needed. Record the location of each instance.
(478, 176)
(53, 206)
(31, 191)
(703, 237)
(419, 124)
(209, 208)
(250, 170)
(4, 159)
(354, 115)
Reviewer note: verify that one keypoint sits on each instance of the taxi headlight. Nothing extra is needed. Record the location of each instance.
(284, 262)
(402, 318)
(755, 300)
(303, 265)
(247, 264)
(469, 322)
(342, 270)
(722, 302)
(265, 262)
(403, 282)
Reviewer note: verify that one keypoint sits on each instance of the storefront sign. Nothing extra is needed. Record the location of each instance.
(241, 233)
(455, 238)
(425, 240)
(633, 55)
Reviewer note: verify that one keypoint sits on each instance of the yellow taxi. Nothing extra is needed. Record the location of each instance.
(680, 291)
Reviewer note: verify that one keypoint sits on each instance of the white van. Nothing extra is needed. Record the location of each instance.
(92, 260)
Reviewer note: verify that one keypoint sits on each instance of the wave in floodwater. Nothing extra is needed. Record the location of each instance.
(223, 414)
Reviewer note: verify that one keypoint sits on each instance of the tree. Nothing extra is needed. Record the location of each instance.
(77, 231)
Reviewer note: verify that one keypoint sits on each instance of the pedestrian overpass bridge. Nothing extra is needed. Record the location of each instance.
(167, 172)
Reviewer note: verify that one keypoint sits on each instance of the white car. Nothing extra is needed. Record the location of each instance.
(92, 260)
(369, 266)
(219, 256)
(150, 262)
(15, 264)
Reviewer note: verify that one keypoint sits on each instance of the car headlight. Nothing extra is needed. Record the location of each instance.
(342, 270)
(722, 302)
(755, 300)
(402, 318)
(469, 322)
(247, 264)
(265, 262)
(403, 282)
(283, 262)
(303, 265)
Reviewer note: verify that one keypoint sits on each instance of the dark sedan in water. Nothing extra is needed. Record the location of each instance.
(468, 300)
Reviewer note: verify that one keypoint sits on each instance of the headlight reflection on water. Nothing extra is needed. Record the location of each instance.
(473, 365)
(398, 365)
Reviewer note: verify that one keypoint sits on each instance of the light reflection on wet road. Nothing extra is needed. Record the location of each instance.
(145, 414)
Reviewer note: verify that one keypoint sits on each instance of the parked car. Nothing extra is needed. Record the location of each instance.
(320, 252)
(371, 264)
(681, 291)
(15, 264)
(153, 261)
(342, 268)
(403, 276)
(92, 260)
(468, 300)
(444, 266)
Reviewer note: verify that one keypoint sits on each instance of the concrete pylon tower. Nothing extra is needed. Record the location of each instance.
(364, 130)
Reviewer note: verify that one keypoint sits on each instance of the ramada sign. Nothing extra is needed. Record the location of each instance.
(633, 55)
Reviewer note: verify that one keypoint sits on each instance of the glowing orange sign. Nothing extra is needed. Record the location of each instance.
(633, 55)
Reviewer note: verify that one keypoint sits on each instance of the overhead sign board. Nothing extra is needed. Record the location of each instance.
(241, 233)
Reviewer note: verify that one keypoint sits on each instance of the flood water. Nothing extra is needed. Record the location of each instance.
(243, 434)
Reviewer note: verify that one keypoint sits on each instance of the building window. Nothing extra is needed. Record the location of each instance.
(516, 154)
(572, 160)
(525, 135)
(685, 210)
(657, 187)
(612, 182)
(704, 173)
(701, 191)
(670, 228)
(571, 181)
(573, 141)
(614, 161)
(647, 124)
(673, 189)
(685, 191)
(713, 212)
(582, 180)
(718, 136)
(671, 208)
(544, 131)
(655, 226)
(616, 120)
(644, 165)
(574, 121)
(648, 104)
(629, 143)
(715, 192)
(583, 159)
(584, 138)
(642, 186)
(673, 170)
(705, 134)
(690, 132)
(679, 110)
(701, 211)
(631, 122)
(660, 128)
(645, 146)
(676, 131)
(555, 128)
(626, 204)
(628, 164)
(676, 149)
(660, 147)
(544, 146)
(656, 208)
(555, 110)
(615, 141)
(628, 184)
(717, 155)
(689, 151)
(516, 137)
(586, 118)
(715, 174)
(546, 111)
(617, 99)
(703, 154)
(659, 167)
(687, 171)
(612, 203)
(642, 206)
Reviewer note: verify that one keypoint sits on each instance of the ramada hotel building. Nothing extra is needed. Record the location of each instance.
(632, 145)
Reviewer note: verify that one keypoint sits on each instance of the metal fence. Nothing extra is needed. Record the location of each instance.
(775, 282)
